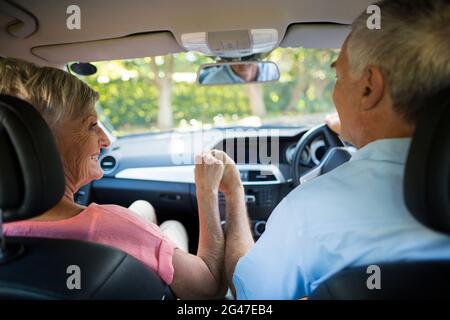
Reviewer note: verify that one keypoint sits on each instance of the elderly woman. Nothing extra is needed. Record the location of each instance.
(67, 105)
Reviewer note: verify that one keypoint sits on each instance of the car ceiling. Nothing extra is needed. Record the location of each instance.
(137, 28)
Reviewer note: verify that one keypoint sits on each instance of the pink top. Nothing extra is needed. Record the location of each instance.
(110, 225)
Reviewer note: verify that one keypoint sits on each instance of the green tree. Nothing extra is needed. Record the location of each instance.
(159, 93)
(162, 74)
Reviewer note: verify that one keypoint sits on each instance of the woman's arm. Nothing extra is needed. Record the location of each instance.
(239, 238)
(202, 276)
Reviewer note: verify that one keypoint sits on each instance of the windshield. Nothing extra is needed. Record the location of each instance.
(161, 93)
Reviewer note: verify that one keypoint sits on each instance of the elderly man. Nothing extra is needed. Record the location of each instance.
(354, 215)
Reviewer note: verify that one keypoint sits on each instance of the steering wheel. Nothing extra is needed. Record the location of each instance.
(336, 154)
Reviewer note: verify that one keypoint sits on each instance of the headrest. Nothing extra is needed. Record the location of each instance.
(31, 172)
(427, 175)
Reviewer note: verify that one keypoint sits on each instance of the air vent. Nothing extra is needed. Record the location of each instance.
(259, 176)
(108, 164)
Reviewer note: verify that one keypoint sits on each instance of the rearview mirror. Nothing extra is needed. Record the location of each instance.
(238, 73)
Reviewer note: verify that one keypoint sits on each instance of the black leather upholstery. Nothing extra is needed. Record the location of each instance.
(427, 195)
(31, 182)
(420, 280)
(427, 175)
(32, 179)
(106, 273)
(338, 157)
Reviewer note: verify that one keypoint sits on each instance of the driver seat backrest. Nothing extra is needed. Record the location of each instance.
(32, 182)
(427, 196)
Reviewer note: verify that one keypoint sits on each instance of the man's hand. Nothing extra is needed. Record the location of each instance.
(239, 237)
(208, 173)
(334, 123)
(231, 180)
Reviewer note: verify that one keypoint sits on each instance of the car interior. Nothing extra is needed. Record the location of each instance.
(141, 166)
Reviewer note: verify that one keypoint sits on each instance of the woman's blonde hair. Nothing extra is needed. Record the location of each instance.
(56, 94)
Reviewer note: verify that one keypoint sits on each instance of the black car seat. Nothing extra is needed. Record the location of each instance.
(31, 182)
(427, 196)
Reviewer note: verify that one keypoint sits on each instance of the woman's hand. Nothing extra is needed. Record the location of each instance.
(208, 173)
(231, 180)
(202, 276)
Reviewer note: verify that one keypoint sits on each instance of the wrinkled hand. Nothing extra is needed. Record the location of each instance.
(231, 180)
(208, 173)
(334, 123)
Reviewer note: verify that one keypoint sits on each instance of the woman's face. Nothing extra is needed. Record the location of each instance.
(80, 142)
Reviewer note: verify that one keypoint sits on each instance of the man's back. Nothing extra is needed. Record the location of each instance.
(354, 215)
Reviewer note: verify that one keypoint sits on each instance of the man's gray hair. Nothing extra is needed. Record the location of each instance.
(412, 50)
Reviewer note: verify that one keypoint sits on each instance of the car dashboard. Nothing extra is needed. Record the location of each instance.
(159, 168)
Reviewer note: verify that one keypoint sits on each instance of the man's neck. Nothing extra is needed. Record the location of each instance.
(378, 130)
(373, 138)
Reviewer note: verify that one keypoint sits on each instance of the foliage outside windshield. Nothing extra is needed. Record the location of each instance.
(160, 93)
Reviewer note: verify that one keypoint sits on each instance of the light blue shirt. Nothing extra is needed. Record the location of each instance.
(353, 215)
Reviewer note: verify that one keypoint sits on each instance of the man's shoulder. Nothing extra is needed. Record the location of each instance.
(352, 181)
(354, 172)
(332, 179)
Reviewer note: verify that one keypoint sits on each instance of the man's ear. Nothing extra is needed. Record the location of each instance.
(373, 91)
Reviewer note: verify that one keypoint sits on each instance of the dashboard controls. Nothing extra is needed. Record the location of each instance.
(259, 174)
(311, 155)
(170, 197)
(250, 199)
(259, 227)
(251, 174)
(290, 152)
(318, 149)
(108, 164)
(256, 176)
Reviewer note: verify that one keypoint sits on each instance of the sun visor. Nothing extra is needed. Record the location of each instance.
(315, 35)
(133, 46)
